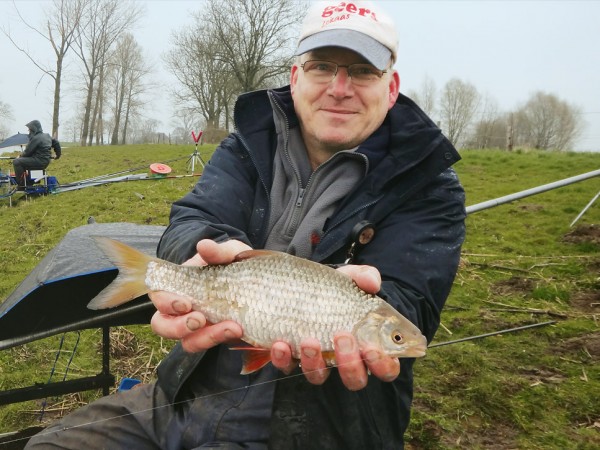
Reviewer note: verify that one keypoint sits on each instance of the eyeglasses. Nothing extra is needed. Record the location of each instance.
(325, 71)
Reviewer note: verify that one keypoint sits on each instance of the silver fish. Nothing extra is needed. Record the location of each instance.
(274, 296)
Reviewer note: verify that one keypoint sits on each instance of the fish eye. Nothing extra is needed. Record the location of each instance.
(397, 337)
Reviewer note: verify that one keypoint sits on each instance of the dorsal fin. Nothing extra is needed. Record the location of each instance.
(248, 254)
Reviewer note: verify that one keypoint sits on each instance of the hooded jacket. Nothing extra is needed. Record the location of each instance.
(39, 143)
(416, 204)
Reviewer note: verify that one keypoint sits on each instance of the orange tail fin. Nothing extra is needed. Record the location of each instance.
(130, 283)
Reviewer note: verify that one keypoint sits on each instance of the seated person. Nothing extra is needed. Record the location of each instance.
(36, 155)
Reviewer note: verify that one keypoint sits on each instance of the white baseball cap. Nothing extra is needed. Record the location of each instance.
(363, 27)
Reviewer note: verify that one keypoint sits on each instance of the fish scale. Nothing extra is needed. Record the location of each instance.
(273, 296)
(269, 290)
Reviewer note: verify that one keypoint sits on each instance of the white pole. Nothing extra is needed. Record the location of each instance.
(526, 193)
(585, 209)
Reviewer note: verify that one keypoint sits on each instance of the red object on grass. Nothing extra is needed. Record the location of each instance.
(161, 169)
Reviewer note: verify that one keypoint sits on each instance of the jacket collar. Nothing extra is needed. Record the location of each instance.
(405, 139)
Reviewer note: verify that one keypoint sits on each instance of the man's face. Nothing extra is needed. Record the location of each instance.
(339, 115)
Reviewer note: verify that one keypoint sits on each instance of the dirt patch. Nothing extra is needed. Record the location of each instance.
(587, 302)
(587, 345)
(531, 207)
(538, 376)
(514, 286)
(583, 234)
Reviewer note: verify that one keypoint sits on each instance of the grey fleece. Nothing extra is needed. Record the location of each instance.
(302, 199)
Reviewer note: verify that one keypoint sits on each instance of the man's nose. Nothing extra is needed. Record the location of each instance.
(341, 85)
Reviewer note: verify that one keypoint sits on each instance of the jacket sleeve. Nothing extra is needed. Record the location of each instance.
(57, 148)
(417, 251)
(217, 208)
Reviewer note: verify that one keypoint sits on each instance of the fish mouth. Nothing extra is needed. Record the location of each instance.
(417, 352)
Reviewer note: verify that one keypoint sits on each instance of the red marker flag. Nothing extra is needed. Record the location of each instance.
(196, 138)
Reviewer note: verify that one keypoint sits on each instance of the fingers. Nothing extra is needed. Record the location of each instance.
(381, 366)
(210, 336)
(312, 362)
(281, 357)
(220, 253)
(351, 367)
(367, 278)
(175, 319)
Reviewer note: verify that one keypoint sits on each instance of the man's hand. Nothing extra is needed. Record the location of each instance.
(175, 318)
(352, 364)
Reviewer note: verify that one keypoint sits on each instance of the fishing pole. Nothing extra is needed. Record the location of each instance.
(526, 193)
(494, 333)
(99, 177)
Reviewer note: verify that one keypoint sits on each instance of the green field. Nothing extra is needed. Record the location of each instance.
(522, 264)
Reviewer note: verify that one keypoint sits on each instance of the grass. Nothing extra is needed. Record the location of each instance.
(522, 264)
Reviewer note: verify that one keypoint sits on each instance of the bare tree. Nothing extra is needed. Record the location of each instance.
(206, 85)
(425, 97)
(490, 128)
(64, 20)
(546, 122)
(458, 105)
(126, 81)
(106, 21)
(5, 111)
(255, 46)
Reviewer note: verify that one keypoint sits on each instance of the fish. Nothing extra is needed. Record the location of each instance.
(273, 295)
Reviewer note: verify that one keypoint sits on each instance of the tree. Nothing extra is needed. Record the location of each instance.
(126, 78)
(106, 21)
(254, 46)
(490, 129)
(206, 86)
(425, 97)
(546, 122)
(60, 30)
(458, 105)
(5, 113)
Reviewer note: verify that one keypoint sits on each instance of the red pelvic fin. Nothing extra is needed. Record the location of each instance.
(254, 358)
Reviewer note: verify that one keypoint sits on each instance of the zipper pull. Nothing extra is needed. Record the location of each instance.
(300, 198)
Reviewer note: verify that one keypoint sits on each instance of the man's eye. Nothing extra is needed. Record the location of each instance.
(323, 67)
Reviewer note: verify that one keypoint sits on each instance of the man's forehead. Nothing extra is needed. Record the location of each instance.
(328, 53)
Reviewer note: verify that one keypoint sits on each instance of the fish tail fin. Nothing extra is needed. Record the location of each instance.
(130, 283)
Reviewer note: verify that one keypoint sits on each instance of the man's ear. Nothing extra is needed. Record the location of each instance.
(294, 77)
(394, 88)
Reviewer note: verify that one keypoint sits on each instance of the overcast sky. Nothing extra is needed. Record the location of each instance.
(506, 49)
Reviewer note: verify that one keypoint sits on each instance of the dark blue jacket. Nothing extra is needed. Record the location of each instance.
(416, 204)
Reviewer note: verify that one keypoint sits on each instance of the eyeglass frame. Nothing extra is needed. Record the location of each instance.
(348, 70)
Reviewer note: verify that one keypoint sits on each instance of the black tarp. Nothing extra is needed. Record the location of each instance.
(53, 298)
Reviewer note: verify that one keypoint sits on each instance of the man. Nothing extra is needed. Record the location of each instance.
(36, 155)
(311, 165)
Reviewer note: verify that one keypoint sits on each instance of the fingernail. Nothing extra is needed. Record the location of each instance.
(344, 344)
(229, 334)
(192, 324)
(179, 306)
(309, 352)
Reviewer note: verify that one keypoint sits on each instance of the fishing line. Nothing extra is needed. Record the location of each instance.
(58, 352)
(262, 383)
(94, 422)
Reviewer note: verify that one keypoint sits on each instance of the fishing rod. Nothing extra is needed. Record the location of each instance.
(99, 177)
(526, 193)
(494, 333)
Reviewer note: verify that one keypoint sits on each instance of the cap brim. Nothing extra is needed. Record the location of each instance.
(370, 49)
